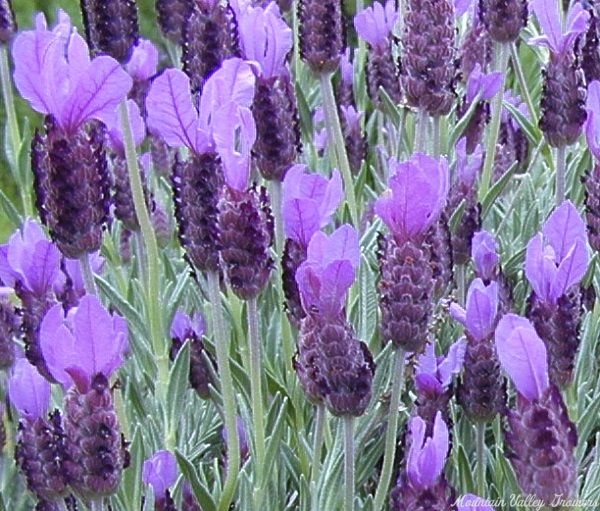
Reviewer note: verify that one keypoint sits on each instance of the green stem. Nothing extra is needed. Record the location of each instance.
(481, 459)
(516, 65)
(494, 129)
(332, 120)
(392, 430)
(257, 401)
(88, 274)
(349, 472)
(153, 305)
(227, 391)
(460, 283)
(420, 142)
(561, 168)
(14, 135)
(276, 198)
(61, 505)
(317, 446)
(97, 505)
(437, 149)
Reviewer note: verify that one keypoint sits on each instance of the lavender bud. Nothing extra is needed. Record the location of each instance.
(462, 237)
(438, 241)
(111, 27)
(592, 206)
(10, 327)
(321, 33)
(8, 25)
(294, 254)
(590, 51)
(200, 376)
(383, 71)
(189, 501)
(503, 19)
(476, 48)
(428, 61)
(72, 186)
(354, 138)
(172, 15)
(122, 197)
(163, 157)
(162, 224)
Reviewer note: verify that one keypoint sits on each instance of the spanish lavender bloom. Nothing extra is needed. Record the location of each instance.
(563, 97)
(40, 451)
(540, 436)
(8, 25)
(375, 25)
(160, 472)
(512, 145)
(308, 202)
(423, 484)
(10, 328)
(142, 66)
(428, 70)
(54, 73)
(433, 381)
(321, 34)
(74, 287)
(482, 390)
(345, 85)
(592, 179)
(407, 257)
(503, 19)
(333, 366)
(590, 53)
(484, 253)
(172, 15)
(266, 39)
(82, 351)
(555, 262)
(209, 38)
(476, 45)
(185, 328)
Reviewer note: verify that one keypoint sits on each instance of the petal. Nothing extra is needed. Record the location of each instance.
(143, 63)
(160, 472)
(522, 354)
(334, 193)
(540, 268)
(29, 391)
(181, 325)
(564, 228)
(427, 362)
(453, 362)
(484, 252)
(549, 18)
(115, 127)
(571, 270)
(482, 308)
(301, 220)
(336, 279)
(58, 345)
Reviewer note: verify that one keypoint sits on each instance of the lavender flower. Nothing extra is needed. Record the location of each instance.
(160, 472)
(484, 253)
(82, 351)
(590, 55)
(345, 85)
(476, 46)
(375, 25)
(8, 25)
(541, 438)
(172, 15)
(555, 262)
(142, 66)
(10, 328)
(423, 484)
(592, 179)
(563, 97)
(503, 19)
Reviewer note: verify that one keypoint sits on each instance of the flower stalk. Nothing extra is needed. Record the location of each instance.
(88, 274)
(318, 435)
(561, 168)
(349, 470)
(481, 458)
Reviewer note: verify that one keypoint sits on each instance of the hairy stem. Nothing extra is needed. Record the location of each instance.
(516, 65)
(317, 446)
(227, 391)
(421, 129)
(88, 274)
(390, 437)
(349, 472)
(481, 459)
(561, 170)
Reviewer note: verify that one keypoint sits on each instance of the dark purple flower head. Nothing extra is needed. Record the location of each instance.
(479, 317)
(427, 456)
(375, 24)
(87, 342)
(522, 354)
(416, 197)
(329, 270)
(470, 502)
(143, 63)
(29, 391)
(592, 124)
(309, 201)
(265, 38)
(482, 86)
(53, 71)
(160, 472)
(557, 258)
(183, 326)
(484, 253)
(468, 166)
(558, 39)
(31, 260)
(433, 375)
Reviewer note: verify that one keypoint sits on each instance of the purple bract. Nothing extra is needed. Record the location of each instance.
(28, 390)
(375, 24)
(434, 374)
(160, 472)
(550, 18)
(479, 317)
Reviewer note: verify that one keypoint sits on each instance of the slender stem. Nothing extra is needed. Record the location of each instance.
(390, 436)
(437, 149)
(333, 122)
(88, 274)
(516, 65)
(494, 129)
(276, 198)
(97, 505)
(317, 445)
(227, 391)
(153, 306)
(257, 400)
(62, 506)
(561, 167)
(460, 283)
(349, 475)
(14, 135)
(420, 142)
(481, 459)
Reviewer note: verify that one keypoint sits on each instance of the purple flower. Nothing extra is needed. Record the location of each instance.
(426, 457)
(434, 374)
(557, 258)
(416, 197)
(483, 86)
(143, 63)
(558, 39)
(28, 390)
(484, 253)
(86, 342)
(31, 260)
(375, 24)
(309, 201)
(470, 502)
(72, 267)
(53, 71)
(265, 38)
(592, 126)
(522, 354)
(479, 318)
(468, 165)
(182, 325)
(461, 6)
(329, 270)
(114, 127)
(160, 472)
